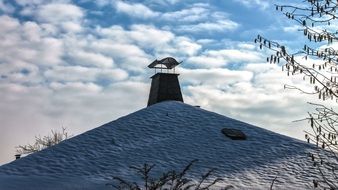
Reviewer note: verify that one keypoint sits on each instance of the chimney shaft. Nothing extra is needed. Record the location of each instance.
(164, 86)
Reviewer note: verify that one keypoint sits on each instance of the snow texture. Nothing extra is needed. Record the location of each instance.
(169, 134)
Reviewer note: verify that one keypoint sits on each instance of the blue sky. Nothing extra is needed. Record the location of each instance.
(79, 64)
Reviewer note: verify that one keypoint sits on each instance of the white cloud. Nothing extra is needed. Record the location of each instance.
(165, 2)
(115, 32)
(292, 29)
(133, 43)
(186, 46)
(216, 77)
(127, 56)
(206, 41)
(29, 2)
(236, 55)
(58, 12)
(26, 43)
(101, 3)
(149, 36)
(199, 18)
(263, 4)
(208, 27)
(53, 52)
(71, 27)
(90, 59)
(6, 7)
(76, 87)
(192, 14)
(84, 74)
(179, 47)
(26, 3)
(136, 10)
(54, 16)
(207, 61)
(247, 46)
(9, 24)
(222, 57)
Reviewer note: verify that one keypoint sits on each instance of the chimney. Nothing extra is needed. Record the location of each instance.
(17, 156)
(164, 85)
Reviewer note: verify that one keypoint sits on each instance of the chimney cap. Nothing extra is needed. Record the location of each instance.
(169, 62)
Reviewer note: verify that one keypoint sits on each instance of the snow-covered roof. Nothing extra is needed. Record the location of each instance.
(169, 134)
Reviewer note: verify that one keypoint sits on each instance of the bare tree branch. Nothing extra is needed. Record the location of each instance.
(314, 18)
(170, 180)
(44, 142)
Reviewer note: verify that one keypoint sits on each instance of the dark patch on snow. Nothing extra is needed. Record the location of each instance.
(234, 134)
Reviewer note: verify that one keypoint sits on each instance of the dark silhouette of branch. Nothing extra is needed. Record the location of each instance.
(170, 180)
(273, 181)
(326, 87)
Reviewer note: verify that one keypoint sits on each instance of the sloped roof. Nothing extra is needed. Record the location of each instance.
(169, 134)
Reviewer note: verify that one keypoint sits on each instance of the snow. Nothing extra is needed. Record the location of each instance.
(169, 134)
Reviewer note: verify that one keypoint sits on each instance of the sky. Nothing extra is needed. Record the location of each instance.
(80, 63)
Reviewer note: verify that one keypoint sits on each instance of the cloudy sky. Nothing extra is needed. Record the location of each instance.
(81, 63)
